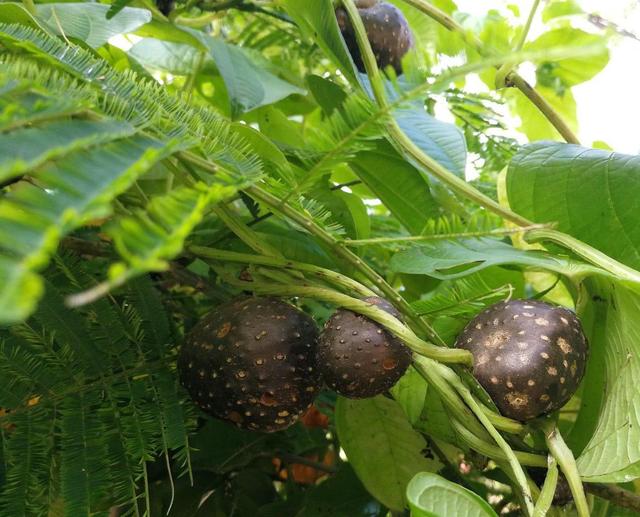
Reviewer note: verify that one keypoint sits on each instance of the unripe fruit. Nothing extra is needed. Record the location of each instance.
(528, 355)
(358, 358)
(252, 362)
(387, 30)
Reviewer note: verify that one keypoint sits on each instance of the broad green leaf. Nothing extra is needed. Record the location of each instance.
(532, 122)
(576, 70)
(590, 193)
(400, 187)
(446, 259)
(326, 93)
(612, 454)
(430, 495)
(382, 447)
(29, 148)
(411, 393)
(248, 84)
(88, 22)
(176, 58)
(70, 193)
(318, 22)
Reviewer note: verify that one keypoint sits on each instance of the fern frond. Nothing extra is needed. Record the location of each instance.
(70, 193)
(142, 102)
(88, 427)
(462, 298)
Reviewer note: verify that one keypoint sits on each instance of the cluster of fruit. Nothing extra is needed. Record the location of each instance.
(260, 362)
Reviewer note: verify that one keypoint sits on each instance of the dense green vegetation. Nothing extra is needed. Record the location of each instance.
(315, 198)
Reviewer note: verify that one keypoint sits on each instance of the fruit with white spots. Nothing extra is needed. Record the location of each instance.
(252, 362)
(387, 30)
(358, 358)
(528, 355)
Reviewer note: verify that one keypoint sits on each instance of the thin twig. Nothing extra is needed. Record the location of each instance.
(513, 78)
(618, 496)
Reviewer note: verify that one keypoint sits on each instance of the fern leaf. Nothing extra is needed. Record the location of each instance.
(29, 148)
(70, 193)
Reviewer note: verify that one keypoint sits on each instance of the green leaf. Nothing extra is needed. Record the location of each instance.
(441, 141)
(590, 193)
(560, 8)
(611, 413)
(382, 447)
(411, 393)
(400, 186)
(446, 259)
(430, 495)
(532, 122)
(317, 21)
(148, 239)
(248, 84)
(576, 70)
(175, 58)
(70, 193)
(88, 22)
(29, 148)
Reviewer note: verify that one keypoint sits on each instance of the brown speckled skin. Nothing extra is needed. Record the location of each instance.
(530, 356)
(359, 359)
(252, 362)
(388, 32)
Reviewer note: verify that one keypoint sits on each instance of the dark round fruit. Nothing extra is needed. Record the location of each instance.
(252, 362)
(357, 357)
(387, 30)
(530, 356)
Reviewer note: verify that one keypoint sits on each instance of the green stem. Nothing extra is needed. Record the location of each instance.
(514, 78)
(450, 399)
(567, 462)
(503, 423)
(492, 451)
(345, 283)
(443, 236)
(505, 69)
(511, 458)
(586, 252)
(246, 235)
(406, 335)
(548, 489)
(456, 183)
(346, 255)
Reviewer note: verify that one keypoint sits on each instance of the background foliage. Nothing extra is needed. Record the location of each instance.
(151, 154)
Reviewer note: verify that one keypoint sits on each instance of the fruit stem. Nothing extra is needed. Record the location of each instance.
(407, 145)
(513, 78)
(343, 282)
(563, 455)
(491, 451)
(448, 396)
(406, 335)
(347, 256)
(511, 458)
(544, 502)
